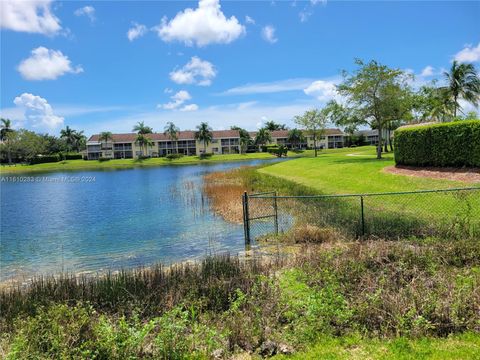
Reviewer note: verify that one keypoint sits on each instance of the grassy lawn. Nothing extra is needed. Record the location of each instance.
(130, 163)
(464, 346)
(351, 170)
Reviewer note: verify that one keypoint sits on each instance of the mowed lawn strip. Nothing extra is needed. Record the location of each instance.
(352, 171)
(357, 171)
(131, 163)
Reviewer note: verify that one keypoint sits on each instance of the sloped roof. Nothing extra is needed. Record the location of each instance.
(182, 135)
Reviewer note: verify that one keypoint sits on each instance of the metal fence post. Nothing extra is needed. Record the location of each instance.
(363, 217)
(275, 209)
(246, 218)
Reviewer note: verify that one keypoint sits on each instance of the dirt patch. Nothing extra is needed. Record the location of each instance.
(467, 175)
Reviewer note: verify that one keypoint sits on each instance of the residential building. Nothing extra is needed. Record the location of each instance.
(371, 136)
(331, 139)
(124, 146)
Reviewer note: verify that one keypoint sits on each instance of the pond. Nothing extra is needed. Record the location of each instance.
(93, 221)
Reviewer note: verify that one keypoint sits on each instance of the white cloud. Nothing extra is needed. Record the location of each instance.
(270, 87)
(37, 112)
(427, 71)
(201, 26)
(196, 71)
(33, 16)
(190, 107)
(322, 90)
(88, 11)
(46, 64)
(249, 20)
(136, 31)
(315, 2)
(268, 34)
(177, 100)
(469, 54)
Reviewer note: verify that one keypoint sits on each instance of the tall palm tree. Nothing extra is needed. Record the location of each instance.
(245, 139)
(144, 142)
(80, 141)
(141, 128)
(70, 137)
(5, 132)
(263, 137)
(105, 136)
(295, 137)
(204, 134)
(463, 83)
(172, 131)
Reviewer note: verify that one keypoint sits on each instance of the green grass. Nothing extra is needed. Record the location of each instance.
(464, 346)
(352, 170)
(131, 163)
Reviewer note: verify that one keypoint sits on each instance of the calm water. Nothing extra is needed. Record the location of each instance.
(122, 219)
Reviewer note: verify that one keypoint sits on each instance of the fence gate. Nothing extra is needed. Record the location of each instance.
(263, 213)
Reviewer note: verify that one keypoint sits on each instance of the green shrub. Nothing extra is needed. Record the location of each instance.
(40, 159)
(174, 156)
(446, 144)
(101, 159)
(73, 156)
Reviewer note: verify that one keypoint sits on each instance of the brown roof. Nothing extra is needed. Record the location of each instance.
(182, 135)
(284, 133)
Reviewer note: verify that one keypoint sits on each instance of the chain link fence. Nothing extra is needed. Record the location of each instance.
(449, 213)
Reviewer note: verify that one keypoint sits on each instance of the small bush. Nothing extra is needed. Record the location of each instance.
(101, 159)
(174, 156)
(313, 234)
(205, 156)
(447, 144)
(41, 159)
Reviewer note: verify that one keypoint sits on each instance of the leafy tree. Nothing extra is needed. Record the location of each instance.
(54, 145)
(172, 131)
(432, 103)
(263, 137)
(471, 115)
(295, 137)
(314, 122)
(375, 95)
(245, 138)
(144, 142)
(204, 134)
(273, 126)
(6, 133)
(141, 128)
(463, 83)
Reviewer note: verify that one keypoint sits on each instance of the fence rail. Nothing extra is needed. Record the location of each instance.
(453, 212)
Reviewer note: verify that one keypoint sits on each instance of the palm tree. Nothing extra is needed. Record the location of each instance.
(141, 128)
(245, 139)
(70, 137)
(263, 137)
(172, 131)
(5, 132)
(463, 83)
(295, 137)
(272, 126)
(80, 141)
(144, 142)
(104, 137)
(204, 134)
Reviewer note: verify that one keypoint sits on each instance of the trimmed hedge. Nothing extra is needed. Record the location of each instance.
(446, 144)
(45, 159)
(73, 157)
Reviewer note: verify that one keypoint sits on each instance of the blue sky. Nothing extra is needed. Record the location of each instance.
(104, 65)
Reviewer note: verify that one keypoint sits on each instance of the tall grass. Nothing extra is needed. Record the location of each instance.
(153, 290)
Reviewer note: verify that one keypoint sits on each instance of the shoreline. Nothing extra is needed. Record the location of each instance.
(126, 164)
